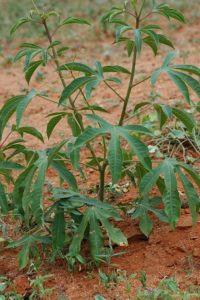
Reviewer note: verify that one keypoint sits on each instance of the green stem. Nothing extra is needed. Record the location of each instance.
(123, 113)
(140, 13)
(6, 138)
(114, 91)
(102, 182)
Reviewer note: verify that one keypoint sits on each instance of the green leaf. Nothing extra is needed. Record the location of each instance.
(23, 103)
(23, 256)
(116, 69)
(146, 224)
(149, 180)
(3, 200)
(95, 236)
(73, 123)
(186, 118)
(79, 67)
(138, 40)
(88, 135)
(19, 24)
(65, 174)
(32, 131)
(9, 165)
(165, 10)
(72, 20)
(31, 69)
(192, 196)
(114, 234)
(171, 195)
(121, 29)
(73, 87)
(181, 86)
(52, 124)
(94, 108)
(188, 68)
(36, 195)
(115, 157)
(193, 83)
(139, 149)
(7, 111)
(58, 230)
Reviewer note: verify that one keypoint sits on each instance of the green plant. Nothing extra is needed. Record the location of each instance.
(73, 216)
(5, 285)
(168, 289)
(38, 289)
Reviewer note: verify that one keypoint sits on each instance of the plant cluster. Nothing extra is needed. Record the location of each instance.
(73, 216)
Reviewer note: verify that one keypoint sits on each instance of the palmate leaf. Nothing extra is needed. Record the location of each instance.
(7, 111)
(145, 206)
(16, 104)
(115, 158)
(181, 80)
(92, 218)
(78, 200)
(171, 199)
(165, 10)
(29, 244)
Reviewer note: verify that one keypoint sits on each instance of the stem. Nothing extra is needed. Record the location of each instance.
(6, 138)
(123, 113)
(140, 13)
(143, 80)
(114, 91)
(102, 182)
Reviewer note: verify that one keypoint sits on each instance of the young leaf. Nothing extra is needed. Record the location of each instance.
(19, 24)
(72, 20)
